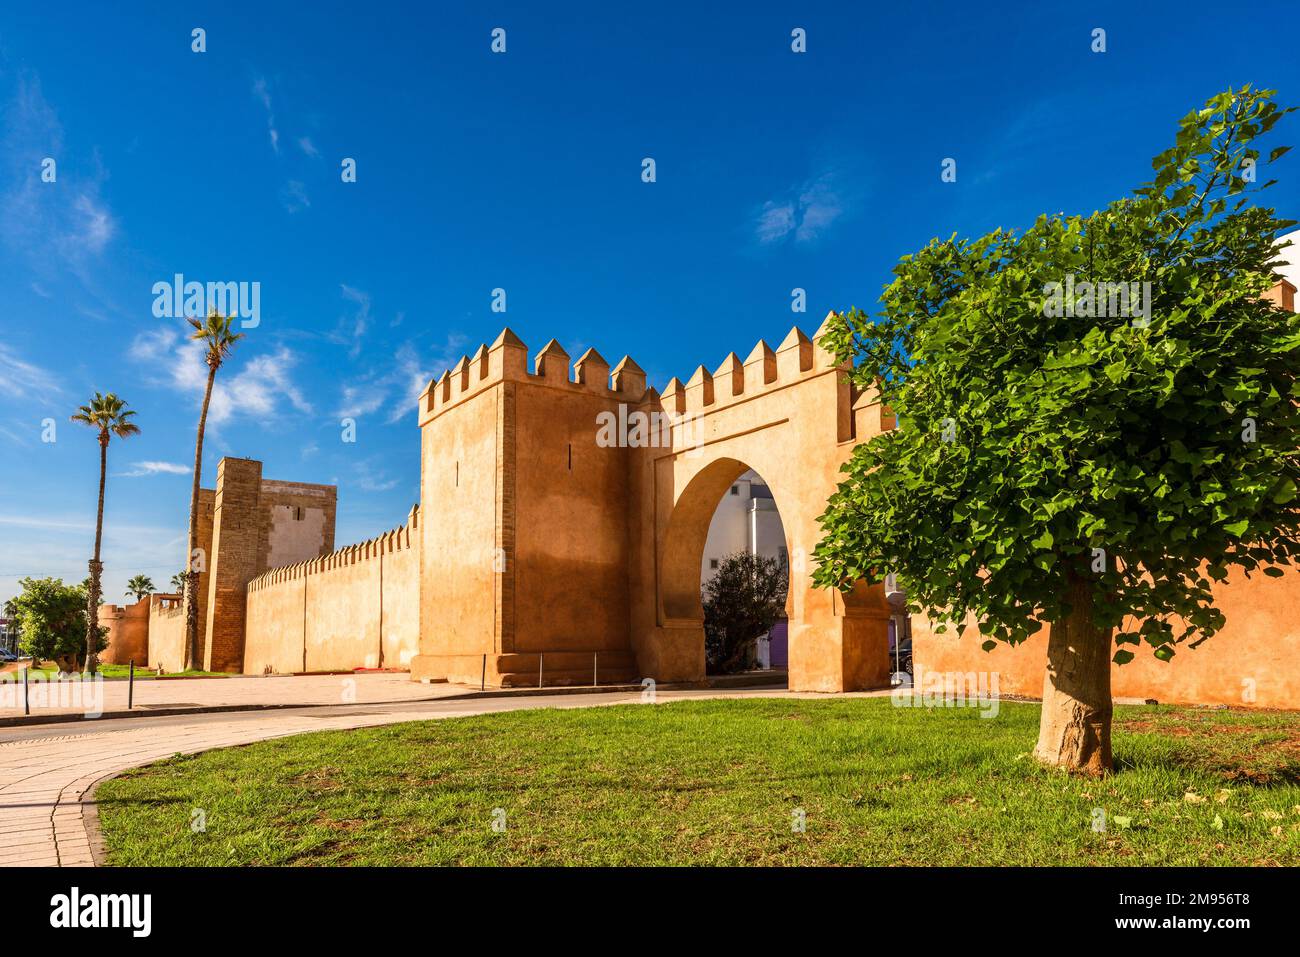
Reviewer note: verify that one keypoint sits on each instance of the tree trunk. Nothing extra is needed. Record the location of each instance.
(1074, 731)
(192, 655)
(96, 567)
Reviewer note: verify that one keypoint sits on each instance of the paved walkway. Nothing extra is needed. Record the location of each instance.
(46, 771)
(72, 696)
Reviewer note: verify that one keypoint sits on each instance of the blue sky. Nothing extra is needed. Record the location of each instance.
(521, 171)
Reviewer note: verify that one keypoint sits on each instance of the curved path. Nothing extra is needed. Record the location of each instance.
(47, 771)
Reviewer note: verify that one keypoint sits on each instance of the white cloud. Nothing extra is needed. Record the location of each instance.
(368, 480)
(61, 223)
(20, 379)
(359, 321)
(307, 146)
(262, 92)
(260, 389)
(805, 214)
(256, 390)
(294, 198)
(399, 386)
(156, 468)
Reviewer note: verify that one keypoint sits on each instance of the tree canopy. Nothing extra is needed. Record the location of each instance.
(1053, 426)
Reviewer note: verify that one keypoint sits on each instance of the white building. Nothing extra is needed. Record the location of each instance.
(746, 520)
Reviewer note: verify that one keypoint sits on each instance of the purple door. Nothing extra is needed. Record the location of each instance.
(778, 648)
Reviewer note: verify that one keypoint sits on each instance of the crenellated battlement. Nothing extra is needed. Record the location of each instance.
(397, 539)
(506, 360)
(798, 356)
(764, 370)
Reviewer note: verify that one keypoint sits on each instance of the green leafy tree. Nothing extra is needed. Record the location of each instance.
(1056, 462)
(742, 601)
(109, 416)
(217, 333)
(52, 622)
(139, 586)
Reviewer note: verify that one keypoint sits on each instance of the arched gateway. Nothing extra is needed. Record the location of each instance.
(565, 515)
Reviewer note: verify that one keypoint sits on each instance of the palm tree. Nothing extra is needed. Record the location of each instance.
(217, 332)
(139, 586)
(178, 582)
(110, 416)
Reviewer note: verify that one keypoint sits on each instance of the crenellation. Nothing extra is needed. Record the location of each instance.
(628, 379)
(507, 358)
(552, 364)
(460, 376)
(760, 366)
(592, 371)
(699, 390)
(794, 356)
(729, 378)
(674, 396)
(824, 357)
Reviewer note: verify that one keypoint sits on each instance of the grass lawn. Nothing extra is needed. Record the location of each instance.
(108, 671)
(721, 782)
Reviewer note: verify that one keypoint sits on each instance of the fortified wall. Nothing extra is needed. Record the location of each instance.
(247, 524)
(564, 549)
(564, 513)
(354, 608)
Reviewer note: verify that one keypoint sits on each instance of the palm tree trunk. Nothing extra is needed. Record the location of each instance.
(192, 653)
(96, 568)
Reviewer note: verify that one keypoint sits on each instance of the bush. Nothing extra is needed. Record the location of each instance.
(52, 622)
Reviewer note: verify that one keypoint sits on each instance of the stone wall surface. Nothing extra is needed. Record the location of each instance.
(128, 632)
(167, 633)
(1254, 661)
(354, 608)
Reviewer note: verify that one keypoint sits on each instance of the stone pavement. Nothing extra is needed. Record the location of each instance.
(47, 771)
(54, 697)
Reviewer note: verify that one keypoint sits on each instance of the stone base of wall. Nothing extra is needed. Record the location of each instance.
(558, 669)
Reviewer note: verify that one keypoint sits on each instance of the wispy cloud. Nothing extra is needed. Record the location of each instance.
(138, 469)
(60, 223)
(20, 379)
(351, 329)
(262, 93)
(307, 146)
(397, 388)
(293, 196)
(262, 389)
(370, 479)
(805, 213)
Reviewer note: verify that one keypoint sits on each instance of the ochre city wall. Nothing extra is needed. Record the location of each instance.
(167, 632)
(357, 607)
(1254, 661)
(556, 554)
(128, 632)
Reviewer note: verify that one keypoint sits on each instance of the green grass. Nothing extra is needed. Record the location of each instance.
(719, 782)
(108, 671)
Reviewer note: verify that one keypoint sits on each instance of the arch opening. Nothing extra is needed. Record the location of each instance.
(726, 572)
